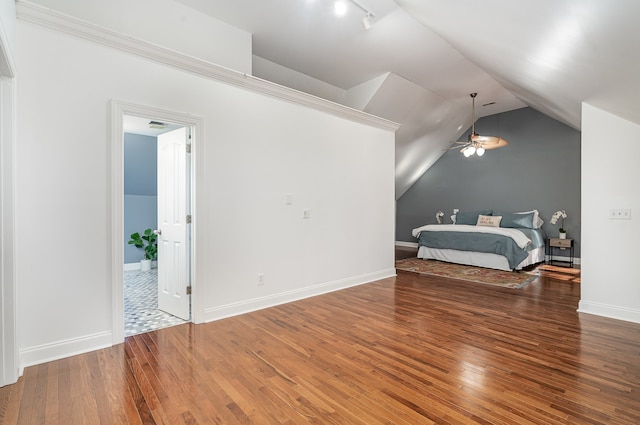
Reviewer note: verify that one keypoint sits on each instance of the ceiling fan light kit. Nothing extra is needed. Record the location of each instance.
(477, 144)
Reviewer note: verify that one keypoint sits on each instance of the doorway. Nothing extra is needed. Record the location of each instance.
(174, 283)
(152, 148)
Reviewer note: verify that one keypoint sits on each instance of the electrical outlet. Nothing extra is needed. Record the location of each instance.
(306, 214)
(620, 214)
(260, 279)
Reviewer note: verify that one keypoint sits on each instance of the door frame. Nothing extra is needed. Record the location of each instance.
(116, 223)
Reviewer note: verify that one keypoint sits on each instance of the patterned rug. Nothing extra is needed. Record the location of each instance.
(514, 280)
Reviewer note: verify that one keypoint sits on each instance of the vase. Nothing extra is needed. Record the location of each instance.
(563, 235)
(145, 265)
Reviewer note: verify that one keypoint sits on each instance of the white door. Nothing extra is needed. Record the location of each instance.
(173, 229)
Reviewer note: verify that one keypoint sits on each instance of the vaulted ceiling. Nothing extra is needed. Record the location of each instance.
(421, 59)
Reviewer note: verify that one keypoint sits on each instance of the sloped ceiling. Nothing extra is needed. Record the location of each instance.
(421, 59)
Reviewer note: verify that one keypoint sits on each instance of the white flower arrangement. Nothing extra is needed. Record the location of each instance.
(439, 216)
(561, 214)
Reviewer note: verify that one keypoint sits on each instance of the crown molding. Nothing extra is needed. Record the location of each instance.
(52, 19)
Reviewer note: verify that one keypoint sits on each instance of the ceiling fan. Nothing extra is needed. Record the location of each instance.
(477, 144)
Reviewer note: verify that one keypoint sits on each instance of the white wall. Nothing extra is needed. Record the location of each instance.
(165, 23)
(610, 176)
(255, 150)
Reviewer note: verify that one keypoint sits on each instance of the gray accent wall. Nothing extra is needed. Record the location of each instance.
(140, 190)
(539, 169)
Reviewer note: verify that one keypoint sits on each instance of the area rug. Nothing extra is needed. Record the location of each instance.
(514, 280)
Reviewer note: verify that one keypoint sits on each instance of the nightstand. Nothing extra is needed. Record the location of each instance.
(562, 244)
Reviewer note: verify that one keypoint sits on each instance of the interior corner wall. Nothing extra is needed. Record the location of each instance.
(253, 151)
(539, 169)
(140, 190)
(610, 176)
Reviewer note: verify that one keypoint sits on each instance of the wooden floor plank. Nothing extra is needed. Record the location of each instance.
(405, 350)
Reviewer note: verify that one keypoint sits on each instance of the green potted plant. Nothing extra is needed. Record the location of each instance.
(146, 241)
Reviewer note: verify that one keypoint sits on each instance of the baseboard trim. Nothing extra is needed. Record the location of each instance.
(609, 311)
(66, 348)
(248, 306)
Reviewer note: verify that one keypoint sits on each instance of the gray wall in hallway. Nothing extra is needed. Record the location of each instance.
(140, 190)
(540, 169)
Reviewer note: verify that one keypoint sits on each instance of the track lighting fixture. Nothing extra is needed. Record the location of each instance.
(340, 9)
(366, 21)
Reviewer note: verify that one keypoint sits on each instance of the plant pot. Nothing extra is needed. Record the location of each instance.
(145, 265)
(563, 235)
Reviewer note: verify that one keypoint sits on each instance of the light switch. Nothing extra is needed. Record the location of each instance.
(620, 214)
(288, 199)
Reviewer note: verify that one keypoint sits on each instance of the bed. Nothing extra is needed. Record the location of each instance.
(504, 241)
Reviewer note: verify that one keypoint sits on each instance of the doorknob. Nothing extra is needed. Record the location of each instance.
(157, 232)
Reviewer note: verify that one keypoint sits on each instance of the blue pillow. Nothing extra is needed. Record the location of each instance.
(470, 217)
(517, 220)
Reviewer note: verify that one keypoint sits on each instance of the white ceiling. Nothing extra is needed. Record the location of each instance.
(422, 58)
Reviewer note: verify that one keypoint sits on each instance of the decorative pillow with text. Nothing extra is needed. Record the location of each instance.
(489, 220)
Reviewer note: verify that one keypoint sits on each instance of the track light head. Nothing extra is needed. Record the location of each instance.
(340, 8)
(366, 21)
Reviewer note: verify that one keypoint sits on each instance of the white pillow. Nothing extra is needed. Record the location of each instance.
(489, 220)
(537, 221)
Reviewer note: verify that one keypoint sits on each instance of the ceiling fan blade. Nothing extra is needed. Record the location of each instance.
(492, 142)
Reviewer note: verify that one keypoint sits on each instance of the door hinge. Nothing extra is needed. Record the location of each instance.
(189, 290)
(188, 147)
(188, 218)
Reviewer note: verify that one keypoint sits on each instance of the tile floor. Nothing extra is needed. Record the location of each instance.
(141, 312)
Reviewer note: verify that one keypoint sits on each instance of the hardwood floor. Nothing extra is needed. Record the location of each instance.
(405, 350)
